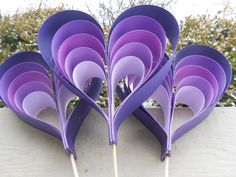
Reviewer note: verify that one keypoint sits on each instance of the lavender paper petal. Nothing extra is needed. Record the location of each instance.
(81, 54)
(191, 96)
(22, 79)
(214, 55)
(134, 100)
(145, 37)
(26, 89)
(76, 41)
(209, 64)
(138, 23)
(164, 17)
(52, 24)
(72, 28)
(34, 62)
(201, 84)
(208, 52)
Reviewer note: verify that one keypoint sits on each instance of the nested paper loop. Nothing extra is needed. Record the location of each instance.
(139, 22)
(145, 37)
(200, 77)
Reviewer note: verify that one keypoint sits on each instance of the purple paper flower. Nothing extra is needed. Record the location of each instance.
(73, 47)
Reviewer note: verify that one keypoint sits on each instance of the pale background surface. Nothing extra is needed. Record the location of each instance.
(206, 151)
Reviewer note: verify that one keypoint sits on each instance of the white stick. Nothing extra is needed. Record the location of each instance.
(167, 166)
(114, 160)
(75, 170)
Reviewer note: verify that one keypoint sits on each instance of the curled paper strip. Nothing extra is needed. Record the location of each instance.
(27, 87)
(73, 49)
(200, 77)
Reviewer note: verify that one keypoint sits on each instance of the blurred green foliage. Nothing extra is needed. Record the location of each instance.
(19, 33)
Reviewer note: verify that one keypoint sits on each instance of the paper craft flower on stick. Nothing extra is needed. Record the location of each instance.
(75, 60)
(198, 78)
(27, 87)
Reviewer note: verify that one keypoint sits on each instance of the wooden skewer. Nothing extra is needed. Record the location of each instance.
(167, 166)
(75, 170)
(114, 160)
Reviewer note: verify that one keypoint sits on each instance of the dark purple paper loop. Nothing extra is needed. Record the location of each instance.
(165, 18)
(45, 37)
(47, 32)
(195, 73)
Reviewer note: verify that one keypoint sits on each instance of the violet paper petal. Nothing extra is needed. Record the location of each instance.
(24, 78)
(138, 22)
(154, 44)
(210, 65)
(75, 27)
(222, 61)
(145, 37)
(208, 52)
(148, 120)
(164, 17)
(134, 100)
(74, 41)
(31, 58)
(52, 24)
(45, 37)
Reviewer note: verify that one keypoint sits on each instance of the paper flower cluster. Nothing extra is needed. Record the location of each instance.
(74, 60)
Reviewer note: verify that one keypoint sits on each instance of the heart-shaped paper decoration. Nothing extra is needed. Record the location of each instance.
(201, 76)
(73, 45)
(27, 88)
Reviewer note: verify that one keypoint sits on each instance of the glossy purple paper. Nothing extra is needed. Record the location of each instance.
(75, 60)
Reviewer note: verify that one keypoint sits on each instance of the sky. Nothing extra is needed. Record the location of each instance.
(181, 9)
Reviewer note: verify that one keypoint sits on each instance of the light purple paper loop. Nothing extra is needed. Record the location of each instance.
(200, 83)
(26, 89)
